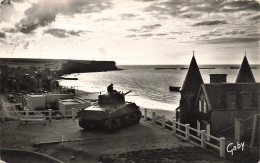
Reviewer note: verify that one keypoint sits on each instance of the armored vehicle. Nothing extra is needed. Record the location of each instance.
(111, 112)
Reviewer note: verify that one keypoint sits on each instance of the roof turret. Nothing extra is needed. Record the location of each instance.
(245, 74)
(193, 79)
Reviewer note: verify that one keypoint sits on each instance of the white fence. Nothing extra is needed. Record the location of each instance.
(34, 115)
(184, 131)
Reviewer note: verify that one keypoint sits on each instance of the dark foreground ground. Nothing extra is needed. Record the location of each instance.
(139, 143)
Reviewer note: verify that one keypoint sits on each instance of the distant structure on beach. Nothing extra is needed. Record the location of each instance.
(214, 106)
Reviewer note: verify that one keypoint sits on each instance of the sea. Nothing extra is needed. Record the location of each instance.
(149, 85)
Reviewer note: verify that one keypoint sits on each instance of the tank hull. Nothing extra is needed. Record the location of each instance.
(109, 116)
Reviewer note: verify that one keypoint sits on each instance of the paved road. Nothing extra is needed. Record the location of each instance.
(95, 144)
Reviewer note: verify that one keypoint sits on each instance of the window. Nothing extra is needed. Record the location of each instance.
(202, 106)
(205, 106)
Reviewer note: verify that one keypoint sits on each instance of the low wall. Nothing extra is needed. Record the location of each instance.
(222, 119)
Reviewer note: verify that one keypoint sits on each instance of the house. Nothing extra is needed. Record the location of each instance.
(214, 106)
(219, 103)
(66, 105)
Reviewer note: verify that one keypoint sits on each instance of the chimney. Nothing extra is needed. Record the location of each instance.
(232, 100)
(218, 78)
(246, 98)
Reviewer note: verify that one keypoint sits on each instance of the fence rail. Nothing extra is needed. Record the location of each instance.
(183, 131)
(48, 114)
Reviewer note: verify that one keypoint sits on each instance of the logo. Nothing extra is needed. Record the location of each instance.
(233, 147)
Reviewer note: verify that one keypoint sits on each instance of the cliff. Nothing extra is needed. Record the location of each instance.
(78, 66)
(63, 66)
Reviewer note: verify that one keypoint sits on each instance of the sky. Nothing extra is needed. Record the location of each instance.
(131, 31)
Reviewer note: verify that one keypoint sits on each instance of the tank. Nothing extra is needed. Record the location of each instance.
(111, 112)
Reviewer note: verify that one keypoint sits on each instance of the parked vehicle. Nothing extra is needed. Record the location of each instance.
(110, 113)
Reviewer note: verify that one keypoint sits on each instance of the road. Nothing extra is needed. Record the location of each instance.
(93, 146)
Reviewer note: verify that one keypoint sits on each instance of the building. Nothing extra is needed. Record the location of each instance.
(66, 105)
(36, 102)
(218, 103)
(43, 101)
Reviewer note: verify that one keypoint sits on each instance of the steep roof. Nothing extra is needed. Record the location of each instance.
(217, 92)
(193, 79)
(245, 74)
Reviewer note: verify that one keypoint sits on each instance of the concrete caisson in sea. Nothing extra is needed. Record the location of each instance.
(110, 113)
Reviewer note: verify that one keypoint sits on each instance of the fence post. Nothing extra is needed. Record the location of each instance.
(208, 132)
(50, 114)
(174, 126)
(26, 113)
(145, 114)
(202, 144)
(222, 147)
(3, 115)
(198, 128)
(154, 118)
(187, 126)
(163, 121)
(73, 113)
(178, 125)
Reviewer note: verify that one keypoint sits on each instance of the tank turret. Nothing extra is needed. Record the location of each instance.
(112, 98)
(110, 113)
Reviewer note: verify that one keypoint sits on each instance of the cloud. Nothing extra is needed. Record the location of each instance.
(9, 29)
(131, 36)
(235, 32)
(6, 11)
(255, 18)
(231, 40)
(75, 32)
(209, 23)
(182, 9)
(216, 33)
(37, 15)
(240, 6)
(26, 45)
(162, 34)
(61, 33)
(128, 15)
(45, 12)
(151, 26)
(146, 35)
(190, 15)
(2, 34)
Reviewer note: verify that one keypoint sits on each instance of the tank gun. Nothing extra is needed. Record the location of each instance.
(127, 92)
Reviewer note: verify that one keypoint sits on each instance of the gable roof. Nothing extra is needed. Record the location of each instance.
(245, 74)
(216, 92)
(193, 79)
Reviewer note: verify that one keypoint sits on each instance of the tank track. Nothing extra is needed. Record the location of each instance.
(112, 124)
